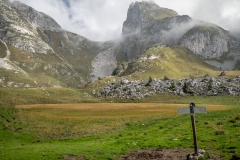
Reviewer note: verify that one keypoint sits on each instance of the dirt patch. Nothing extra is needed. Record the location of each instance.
(72, 157)
(158, 154)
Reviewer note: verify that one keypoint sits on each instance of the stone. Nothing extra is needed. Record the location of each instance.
(222, 73)
(39, 19)
(139, 89)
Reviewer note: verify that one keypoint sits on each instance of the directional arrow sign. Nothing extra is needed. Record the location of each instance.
(197, 109)
(192, 109)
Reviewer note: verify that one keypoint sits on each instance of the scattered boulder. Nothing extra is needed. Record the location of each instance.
(207, 86)
(223, 73)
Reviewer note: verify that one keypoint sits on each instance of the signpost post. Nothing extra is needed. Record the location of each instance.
(192, 109)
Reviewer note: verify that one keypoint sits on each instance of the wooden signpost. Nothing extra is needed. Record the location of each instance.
(192, 109)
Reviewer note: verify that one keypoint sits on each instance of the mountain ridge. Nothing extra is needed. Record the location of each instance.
(51, 56)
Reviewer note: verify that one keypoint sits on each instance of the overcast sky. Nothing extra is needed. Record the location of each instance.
(102, 20)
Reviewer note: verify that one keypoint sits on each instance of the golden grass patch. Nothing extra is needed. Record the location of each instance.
(74, 120)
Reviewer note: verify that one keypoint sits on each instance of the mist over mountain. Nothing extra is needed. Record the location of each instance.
(35, 51)
(105, 17)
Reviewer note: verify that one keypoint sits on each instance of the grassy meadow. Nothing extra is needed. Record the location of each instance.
(72, 122)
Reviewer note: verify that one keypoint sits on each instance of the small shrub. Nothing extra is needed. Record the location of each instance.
(148, 84)
(219, 132)
(166, 78)
(149, 81)
(235, 157)
(210, 85)
(237, 117)
(236, 125)
(220, 123)
(232, 121)
(185, 87)
(172, 87)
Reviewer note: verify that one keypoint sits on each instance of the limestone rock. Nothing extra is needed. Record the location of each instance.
(103, 64)
(39, 19)
(17, 31)
(206, 86)
(143, 14)
(206, 40)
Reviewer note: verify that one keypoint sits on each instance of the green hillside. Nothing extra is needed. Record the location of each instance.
(173, 62)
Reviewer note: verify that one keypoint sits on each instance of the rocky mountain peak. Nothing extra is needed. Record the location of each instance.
(39, 19)
(143, 14)
(5, 1)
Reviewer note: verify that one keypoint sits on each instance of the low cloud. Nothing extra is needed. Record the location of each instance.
(102, 20)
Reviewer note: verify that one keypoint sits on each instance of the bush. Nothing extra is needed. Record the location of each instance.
(235, 157)
(149, 81)
(165, 78)
(185, 87)
(219, 132)
(210, 84)
(172, 87)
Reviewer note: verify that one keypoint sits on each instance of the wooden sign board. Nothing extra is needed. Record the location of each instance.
(197, 109)
(192, 109)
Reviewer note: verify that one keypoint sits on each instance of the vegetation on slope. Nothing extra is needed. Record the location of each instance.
(173, 62)
(118, 129)
(3, 50)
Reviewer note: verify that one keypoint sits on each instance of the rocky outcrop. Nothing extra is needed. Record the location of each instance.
(41, 53)
(148, 24)
(206, 86)
(165, 31)
(207, 41)
(39, 19)
(103, 64)
(143, 14)
(17, 31)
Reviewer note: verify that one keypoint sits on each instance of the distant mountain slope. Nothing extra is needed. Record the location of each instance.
(38, 46)
(36, 52)
(141, 30)
(159, 61)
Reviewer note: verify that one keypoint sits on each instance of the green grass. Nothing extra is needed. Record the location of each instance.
(19, 141)
(3, 50)
(78, 120)
(171, 62)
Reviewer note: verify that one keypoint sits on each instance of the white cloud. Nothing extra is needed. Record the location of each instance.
(102, 20)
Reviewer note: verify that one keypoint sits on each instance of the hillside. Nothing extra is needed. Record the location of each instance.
(36, 52)
(206, 40)
(173, 62)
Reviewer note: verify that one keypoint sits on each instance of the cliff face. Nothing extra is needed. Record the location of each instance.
(207, 41)
(38, 52)
(143, 14)
(17, 31)
(148, 24)
(103, 64)
(38, 19)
